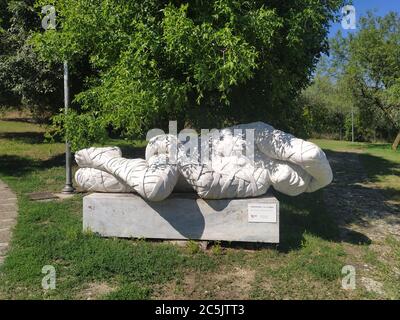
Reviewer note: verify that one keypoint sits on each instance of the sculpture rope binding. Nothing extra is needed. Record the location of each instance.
(289, 164)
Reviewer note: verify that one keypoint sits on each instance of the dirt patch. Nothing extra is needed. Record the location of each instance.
(95, 291)
(224, 284)
(372, 286)
(360, 208)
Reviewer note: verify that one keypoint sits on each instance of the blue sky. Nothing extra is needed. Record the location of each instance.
(362, 6)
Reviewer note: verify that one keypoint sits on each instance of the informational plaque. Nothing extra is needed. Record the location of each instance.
(262, 212)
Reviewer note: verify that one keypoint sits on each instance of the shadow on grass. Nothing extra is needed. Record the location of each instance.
(376, 166)
(24, 137)
(307, 214)
(17, 119)
(16, 166)
(373, 170)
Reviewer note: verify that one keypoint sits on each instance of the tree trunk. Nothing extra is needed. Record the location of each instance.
(396, 142)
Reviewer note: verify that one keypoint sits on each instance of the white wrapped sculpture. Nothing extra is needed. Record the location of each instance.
(291, 165)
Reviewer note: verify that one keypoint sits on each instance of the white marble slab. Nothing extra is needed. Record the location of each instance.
(182, 216)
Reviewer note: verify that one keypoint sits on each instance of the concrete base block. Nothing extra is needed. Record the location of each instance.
(182, 216)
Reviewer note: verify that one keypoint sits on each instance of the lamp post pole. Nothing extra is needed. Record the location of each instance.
(352, 124)
(68, 188)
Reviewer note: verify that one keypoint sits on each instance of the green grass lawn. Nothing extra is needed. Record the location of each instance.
(307, 264)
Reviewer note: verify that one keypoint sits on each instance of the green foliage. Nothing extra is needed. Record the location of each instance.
(25, 79)
(370, 67)
(321, 259)
(192, 247)
(129, 292)
(202, 63)
(217, 249)
(362, 74)
(4, 16)
(326, 106)
(79, 127)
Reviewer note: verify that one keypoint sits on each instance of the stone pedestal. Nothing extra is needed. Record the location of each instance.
(182, 216)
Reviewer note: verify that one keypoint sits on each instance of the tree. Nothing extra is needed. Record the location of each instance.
(370, 66)
(326, 104)
(25, 79)
(5, 93)
(203, 63)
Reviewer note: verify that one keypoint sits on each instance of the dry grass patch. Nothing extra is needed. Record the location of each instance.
(95, 291)
(223, 284)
